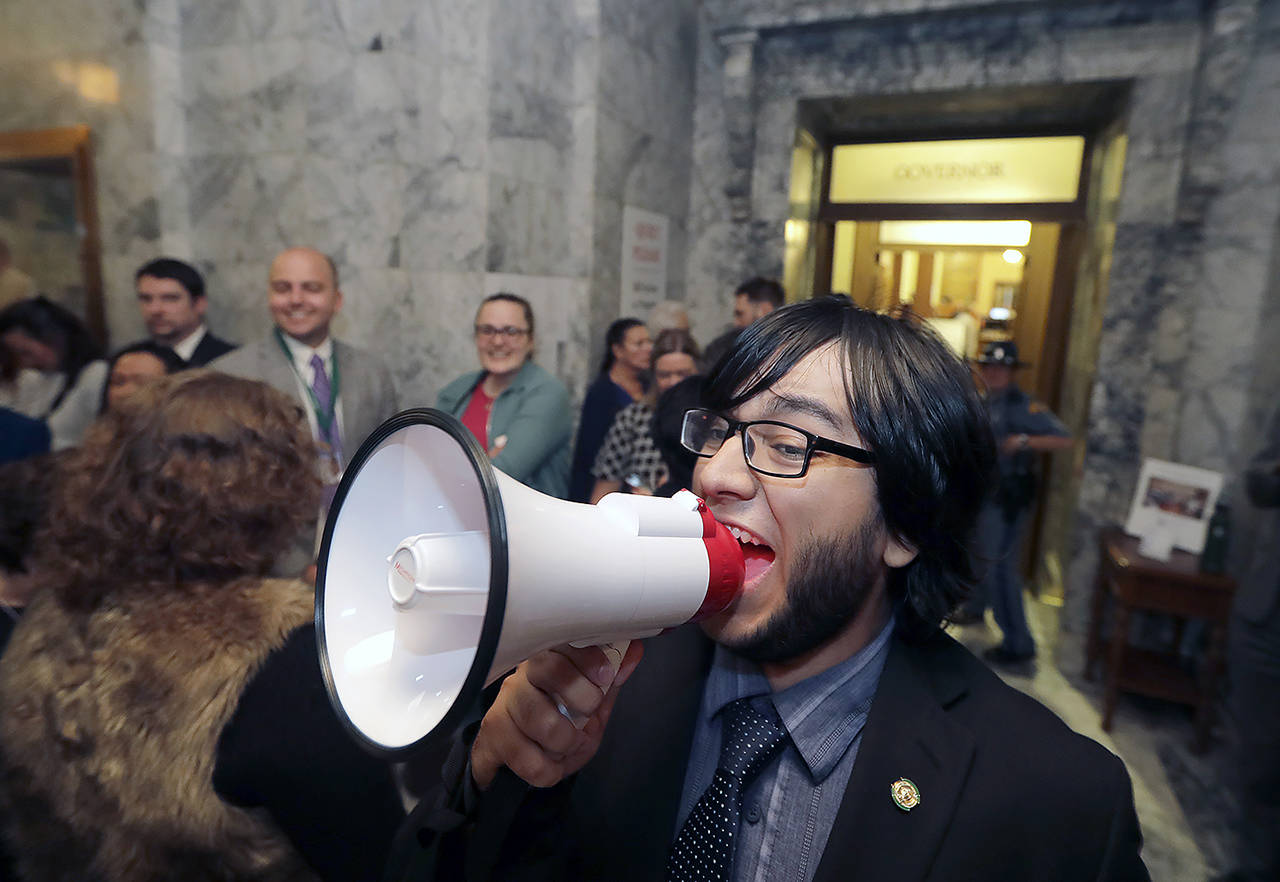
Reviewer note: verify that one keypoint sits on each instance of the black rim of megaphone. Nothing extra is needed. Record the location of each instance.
(496, 606)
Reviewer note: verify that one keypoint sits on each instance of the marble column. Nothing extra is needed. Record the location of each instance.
(739, 115)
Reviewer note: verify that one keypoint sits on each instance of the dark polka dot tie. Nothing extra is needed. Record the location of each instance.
(703, 850)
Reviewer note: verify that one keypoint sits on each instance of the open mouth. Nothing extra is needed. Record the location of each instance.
(757, 555)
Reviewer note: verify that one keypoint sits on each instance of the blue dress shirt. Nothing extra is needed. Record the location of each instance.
(788, 812)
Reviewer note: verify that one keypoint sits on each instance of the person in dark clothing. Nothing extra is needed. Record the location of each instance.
(172, 300)
(165, 711)
(21, 436)
(1255, 677)
(668, 421)
(822, 726)
(1024, 428)
(753, 299)
(623, 379)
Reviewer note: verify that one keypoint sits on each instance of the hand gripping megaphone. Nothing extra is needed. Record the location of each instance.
(438, 574)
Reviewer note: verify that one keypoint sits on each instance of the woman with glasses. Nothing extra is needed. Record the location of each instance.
(518, 412)
(628, 457)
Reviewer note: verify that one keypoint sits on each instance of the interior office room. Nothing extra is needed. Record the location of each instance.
(1098, 181)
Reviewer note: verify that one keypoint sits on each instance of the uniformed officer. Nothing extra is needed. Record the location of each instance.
(1023, 428)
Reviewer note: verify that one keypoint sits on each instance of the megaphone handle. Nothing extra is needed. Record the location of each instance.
(614, 652)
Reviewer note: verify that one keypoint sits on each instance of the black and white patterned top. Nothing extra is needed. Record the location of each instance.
(628, 449)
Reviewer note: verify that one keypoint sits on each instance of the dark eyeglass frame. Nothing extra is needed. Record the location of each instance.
(813, 442)
(508, 332)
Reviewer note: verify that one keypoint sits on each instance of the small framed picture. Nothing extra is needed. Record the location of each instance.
(1173, 502)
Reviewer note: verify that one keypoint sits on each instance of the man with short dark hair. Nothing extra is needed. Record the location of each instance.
(823, 726)
(756, 298)
(172, 300)
(752, 300)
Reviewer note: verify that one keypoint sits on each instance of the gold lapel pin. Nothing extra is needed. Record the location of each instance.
(906, 795)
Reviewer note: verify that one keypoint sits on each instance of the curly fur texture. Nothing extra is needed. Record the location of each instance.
(110, 734)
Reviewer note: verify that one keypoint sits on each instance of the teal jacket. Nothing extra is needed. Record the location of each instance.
(533, 412)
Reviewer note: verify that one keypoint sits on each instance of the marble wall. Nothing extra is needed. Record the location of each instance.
(438, 151)
(1188, 316)
(442, 151)
(644, 125)
(65, 63)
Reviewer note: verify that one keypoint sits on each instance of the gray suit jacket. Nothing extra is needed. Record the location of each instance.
(366, 391)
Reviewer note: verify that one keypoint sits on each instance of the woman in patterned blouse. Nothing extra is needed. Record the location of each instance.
(628, 456)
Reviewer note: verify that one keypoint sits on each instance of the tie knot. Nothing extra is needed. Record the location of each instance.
(317, 363)
(750, 740)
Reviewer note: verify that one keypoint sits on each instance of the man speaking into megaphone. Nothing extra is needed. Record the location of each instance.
(822, 727)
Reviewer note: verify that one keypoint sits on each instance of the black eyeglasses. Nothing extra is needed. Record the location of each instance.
(769, 447)
(508, 332)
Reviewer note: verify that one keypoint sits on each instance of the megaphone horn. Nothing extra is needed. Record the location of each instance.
(438, 574)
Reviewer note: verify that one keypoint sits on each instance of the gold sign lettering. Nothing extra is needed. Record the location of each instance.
(977, 170)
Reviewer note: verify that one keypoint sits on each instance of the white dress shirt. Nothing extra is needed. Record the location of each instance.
(305, 375)
(187, 347)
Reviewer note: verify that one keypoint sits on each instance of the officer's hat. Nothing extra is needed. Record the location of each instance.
(1003, 352)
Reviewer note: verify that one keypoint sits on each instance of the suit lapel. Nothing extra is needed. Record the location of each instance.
(350, 396)
(274, 369)
(908, 735)
(198, 355)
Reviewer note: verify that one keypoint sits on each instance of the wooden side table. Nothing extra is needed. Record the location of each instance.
(1175, 588)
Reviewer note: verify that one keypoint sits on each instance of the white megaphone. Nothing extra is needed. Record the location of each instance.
(438, 574)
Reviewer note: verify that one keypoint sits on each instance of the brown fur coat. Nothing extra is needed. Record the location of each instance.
(110, 730)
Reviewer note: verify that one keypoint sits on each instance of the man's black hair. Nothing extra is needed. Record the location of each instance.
(915, 406)
(171, 268)
(759, 289)
(665, 430)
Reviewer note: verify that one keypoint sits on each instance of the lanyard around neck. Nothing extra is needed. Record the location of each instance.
(324, 417)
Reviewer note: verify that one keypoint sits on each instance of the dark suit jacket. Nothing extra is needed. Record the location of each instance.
(1007, 790)
(1257, 599)
(209, 348)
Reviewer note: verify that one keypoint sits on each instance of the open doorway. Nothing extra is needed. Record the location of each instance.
(976, 281)
(988, 238)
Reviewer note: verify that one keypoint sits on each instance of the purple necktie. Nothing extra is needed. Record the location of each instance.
(326, 420)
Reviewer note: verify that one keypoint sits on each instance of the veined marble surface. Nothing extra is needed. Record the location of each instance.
(432, 148)
(1189, 317)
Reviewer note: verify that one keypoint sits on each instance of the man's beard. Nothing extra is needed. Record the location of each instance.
(829, 586)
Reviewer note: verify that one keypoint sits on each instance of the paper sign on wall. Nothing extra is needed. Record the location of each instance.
(644, 261)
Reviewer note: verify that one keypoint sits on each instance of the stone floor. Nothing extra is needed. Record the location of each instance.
(1183, 804)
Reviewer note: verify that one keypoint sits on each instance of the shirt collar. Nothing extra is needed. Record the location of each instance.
(301, 352)
(823, 714)
(186, 347)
